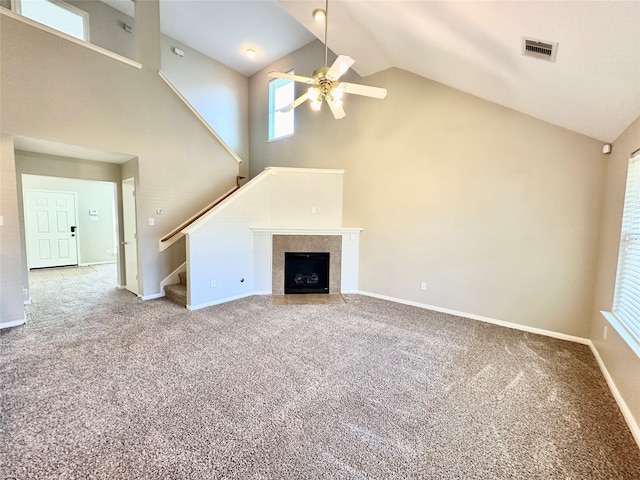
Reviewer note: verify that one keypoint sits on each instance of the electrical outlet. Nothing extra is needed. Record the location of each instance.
(213, 284)
(423, 286)
(314, 211)
(605, 331)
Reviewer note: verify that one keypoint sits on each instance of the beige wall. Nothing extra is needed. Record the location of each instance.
(496, 211)
(11, 296)
(621, 362)
(106, 27)
(218, 93)
(56, 90)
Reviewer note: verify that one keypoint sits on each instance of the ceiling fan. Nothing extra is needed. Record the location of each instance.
(325, 82)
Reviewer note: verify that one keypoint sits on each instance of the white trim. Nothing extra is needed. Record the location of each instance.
(88, 264)
(173, 277)
(221, 300)
(274, 170)
(90, 46)
(268, 171)
(162, 246)
(153, 296)
(502, 323)
(239, 193)
(16, 6)
(308, 230)
(622, 331)
(276, 84)
(200, 117)
(626, 413)
(14, 323)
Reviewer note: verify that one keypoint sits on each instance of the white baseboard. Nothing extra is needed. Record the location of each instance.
(262, 292)
(14, 323)
(502, 323)
(626, 413)
(221, 300)
(88, 264)
(633, 426)
(153, 296)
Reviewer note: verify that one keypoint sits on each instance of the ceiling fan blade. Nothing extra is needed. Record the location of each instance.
(366, 90)
(294, 104)
(338, 111)
(340, 66)
(288, 76)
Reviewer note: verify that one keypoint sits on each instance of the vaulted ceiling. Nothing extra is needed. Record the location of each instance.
(592, 88)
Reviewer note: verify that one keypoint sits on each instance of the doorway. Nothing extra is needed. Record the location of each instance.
(130, 242)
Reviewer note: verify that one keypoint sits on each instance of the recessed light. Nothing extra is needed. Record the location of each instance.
(250, 52)
(319, 15)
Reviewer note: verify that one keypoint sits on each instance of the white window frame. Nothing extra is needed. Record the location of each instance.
(274, 113)
(625, 315)
(16, 6)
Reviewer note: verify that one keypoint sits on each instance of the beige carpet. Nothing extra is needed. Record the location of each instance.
(101, 385)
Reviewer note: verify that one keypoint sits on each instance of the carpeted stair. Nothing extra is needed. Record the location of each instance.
(178, 291)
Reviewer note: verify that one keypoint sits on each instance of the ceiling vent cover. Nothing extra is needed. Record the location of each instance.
(539, 49)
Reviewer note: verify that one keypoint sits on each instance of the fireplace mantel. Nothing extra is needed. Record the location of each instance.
(308, 230)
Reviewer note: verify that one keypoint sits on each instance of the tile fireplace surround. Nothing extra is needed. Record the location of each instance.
(307, 243)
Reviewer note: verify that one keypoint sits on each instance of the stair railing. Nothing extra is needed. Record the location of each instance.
(202, 212)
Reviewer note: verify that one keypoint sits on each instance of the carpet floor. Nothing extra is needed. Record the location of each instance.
(99, 384)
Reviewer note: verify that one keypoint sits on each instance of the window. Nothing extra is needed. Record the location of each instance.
(281, 94)
(626, 301)
(56, 14)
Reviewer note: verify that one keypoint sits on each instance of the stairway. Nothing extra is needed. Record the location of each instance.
(178, 291)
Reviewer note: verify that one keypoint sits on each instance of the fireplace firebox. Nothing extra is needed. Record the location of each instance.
(306, 272)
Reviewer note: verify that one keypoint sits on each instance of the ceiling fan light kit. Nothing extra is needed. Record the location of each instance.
(325, 84)
(319, 14)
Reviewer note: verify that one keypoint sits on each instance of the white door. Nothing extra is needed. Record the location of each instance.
(130, 243)
(51, 228)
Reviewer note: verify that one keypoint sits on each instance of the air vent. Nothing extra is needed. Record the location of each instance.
(539, 49)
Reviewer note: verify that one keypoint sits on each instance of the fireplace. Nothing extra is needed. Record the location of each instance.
(280, 244)
(306, 272)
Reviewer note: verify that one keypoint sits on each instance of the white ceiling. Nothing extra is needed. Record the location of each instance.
(224, 29)
(474, 46)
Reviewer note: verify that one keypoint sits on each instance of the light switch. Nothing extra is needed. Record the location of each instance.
(152, 221)
(1, 221)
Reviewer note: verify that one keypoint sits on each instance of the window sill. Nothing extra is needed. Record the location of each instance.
(622, 331)
(289, 135)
